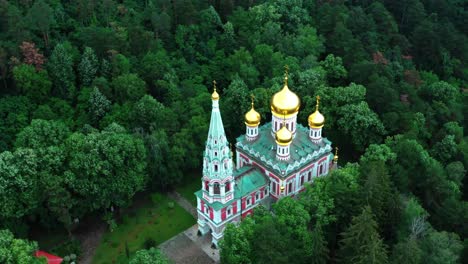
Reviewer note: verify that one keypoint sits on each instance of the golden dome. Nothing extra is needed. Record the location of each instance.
(316, 119)
(252, 117)
(283, 136)
(335, 157)
(285, 102)
(214, 95)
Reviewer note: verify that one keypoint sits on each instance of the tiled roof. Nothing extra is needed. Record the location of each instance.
(303, 150)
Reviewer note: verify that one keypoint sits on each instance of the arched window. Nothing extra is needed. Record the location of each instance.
(216, 167)
(216, 188)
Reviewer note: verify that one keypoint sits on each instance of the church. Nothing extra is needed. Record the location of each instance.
(273, 161)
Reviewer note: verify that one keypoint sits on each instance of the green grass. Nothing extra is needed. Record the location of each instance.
(191, 184)
(145, 222)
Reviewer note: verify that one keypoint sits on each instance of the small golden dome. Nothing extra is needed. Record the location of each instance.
(335, 157)
(316, 119)
(285, 102)
(283, 136)
(214, 95)
(252, 117)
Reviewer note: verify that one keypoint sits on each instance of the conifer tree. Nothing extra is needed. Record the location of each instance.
(361, 243)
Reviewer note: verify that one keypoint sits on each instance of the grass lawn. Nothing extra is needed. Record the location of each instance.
(190, 184)
(148, 221)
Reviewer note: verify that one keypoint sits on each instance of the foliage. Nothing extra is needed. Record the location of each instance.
(14, 250)
(149, 256)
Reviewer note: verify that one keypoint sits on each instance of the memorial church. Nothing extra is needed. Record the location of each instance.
(273, 160)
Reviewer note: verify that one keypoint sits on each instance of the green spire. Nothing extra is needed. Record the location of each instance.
(217, 162)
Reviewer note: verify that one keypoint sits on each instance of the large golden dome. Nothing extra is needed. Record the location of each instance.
(285, 102)
(252, 117)
(283, 136)
(316, 119)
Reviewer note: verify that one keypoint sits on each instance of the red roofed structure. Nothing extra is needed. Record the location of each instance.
(51, 259)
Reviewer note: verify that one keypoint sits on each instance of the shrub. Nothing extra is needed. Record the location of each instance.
(170, 205)
(149, 243)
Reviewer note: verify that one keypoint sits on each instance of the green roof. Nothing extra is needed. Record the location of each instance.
(247, 178)
(302, 150)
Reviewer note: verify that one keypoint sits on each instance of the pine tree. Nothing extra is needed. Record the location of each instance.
(319, 247)
(361, 243)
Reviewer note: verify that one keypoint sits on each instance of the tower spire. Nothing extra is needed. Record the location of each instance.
(214, 95)
(318, 102)
(286, 72)
(217, 147)
(335, 158)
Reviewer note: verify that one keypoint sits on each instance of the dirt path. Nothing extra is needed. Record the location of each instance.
(184, 203)
(90, 240)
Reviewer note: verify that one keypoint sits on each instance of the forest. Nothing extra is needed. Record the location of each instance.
(103, 100)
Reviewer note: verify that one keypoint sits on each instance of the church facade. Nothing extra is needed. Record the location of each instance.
(273, 160)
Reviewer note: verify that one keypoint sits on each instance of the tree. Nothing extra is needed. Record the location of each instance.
(31, 55)
(14, 250)
(105, 168)
(149, 256)
(235, 246)
(445, 150)
(42, 133)
(334, 68)
(128, 87)
(441, 247)
(150, 114)
(41, 17)
(88, 66)
(61, 71)
(34, 84)
(379, 194)
(362, 125)
(408, 251)
(361, 242)
(98, 105)
(14, 113)
(19, 194)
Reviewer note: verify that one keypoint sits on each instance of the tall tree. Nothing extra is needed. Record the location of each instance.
(60, 67)
(361, 242)
(41, 17)
(88, 66)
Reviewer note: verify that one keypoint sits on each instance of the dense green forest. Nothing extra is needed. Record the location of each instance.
(101, 100)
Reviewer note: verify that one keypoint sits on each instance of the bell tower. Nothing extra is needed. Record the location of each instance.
(218, 181)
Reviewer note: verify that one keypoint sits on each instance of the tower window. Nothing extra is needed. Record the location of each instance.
(216, 188)
(216, 167)
(227, 187)
(290, 187)
(216, 153)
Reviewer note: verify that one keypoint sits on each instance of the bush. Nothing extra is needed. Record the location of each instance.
(156, 198)
(149, 243)
(70, 247)
(170, 205)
